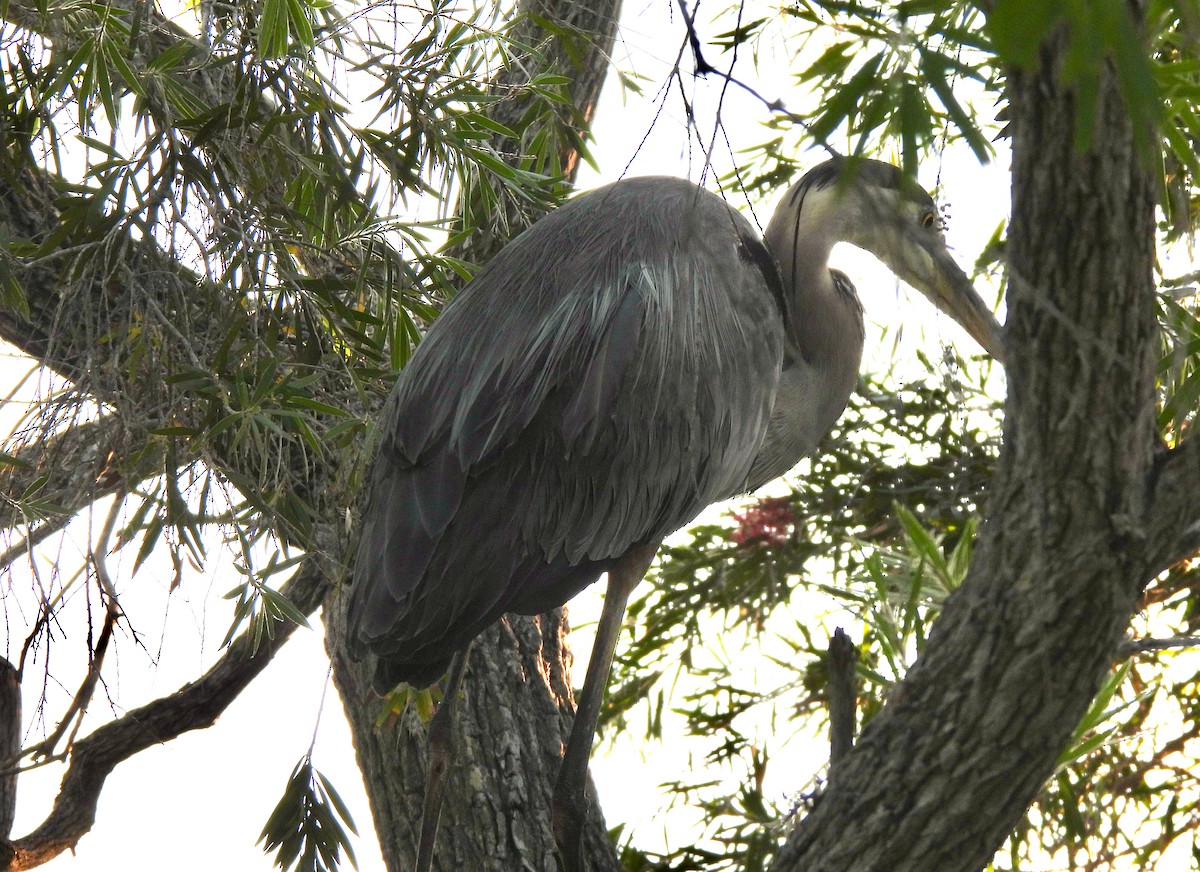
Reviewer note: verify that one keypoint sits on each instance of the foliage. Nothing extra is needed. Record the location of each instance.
(915, 76)
(307, 830)
(1126, 789)
(928, 444)
(310, 235)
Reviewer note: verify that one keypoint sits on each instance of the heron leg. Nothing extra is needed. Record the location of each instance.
(440, 748)
(570, 796)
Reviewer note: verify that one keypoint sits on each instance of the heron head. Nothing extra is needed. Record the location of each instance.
(872, 204)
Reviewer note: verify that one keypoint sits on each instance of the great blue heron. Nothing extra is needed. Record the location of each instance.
(634, 356)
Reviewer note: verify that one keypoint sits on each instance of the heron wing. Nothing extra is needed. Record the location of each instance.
(608, 375)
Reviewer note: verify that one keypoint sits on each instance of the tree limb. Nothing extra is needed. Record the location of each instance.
(10, 747)
(1173, 518)
(194, 706)
(194, 324)
(72, 468)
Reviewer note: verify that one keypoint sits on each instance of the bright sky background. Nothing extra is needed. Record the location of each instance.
(199, 802)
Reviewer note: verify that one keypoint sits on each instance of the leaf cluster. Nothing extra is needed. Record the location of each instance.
(892, 526)
(286, 152)
(307, 829)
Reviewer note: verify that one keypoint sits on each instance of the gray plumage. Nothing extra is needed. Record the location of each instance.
(631, 358)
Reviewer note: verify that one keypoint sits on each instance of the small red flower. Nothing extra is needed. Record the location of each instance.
(769, 522)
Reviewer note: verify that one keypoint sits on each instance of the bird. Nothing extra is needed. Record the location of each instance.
(636, 355)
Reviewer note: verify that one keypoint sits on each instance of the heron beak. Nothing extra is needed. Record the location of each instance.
(926, 264)
(952, 292)
(922, 260)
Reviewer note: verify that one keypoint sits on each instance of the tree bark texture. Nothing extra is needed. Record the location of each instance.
(516, 711)
(940, 778)
(512, 722)
(10, 744)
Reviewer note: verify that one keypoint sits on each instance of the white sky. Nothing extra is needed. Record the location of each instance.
(199, 802)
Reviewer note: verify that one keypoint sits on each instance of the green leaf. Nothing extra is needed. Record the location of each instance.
(307, 827)
(935, 66)
(7, 459)
(273, 29)
(280, 605)
(12, 292)
(1016, 28)
(924, 547)
(845, 99)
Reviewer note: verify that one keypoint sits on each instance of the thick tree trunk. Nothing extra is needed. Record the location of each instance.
(515, 716)
(941, 777)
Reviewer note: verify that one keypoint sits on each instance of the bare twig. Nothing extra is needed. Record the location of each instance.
(35, 537)
(1133, 647)
(73, 718)
(704, 68)
(99, 555)
(83, 697)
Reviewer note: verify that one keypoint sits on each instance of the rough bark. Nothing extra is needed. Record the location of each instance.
(10, 744)
(939, 779)
(511, 725)
(841, 659)
(516, 710)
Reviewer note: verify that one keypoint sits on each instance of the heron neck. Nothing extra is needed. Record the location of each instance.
(822, 355)
(822, 323)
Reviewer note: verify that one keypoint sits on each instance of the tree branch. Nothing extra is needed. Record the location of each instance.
(1133, 647)
(194, 706)
(69, 470)
(195, 324)
(68, 726)
(1173, 518)
(10, 747)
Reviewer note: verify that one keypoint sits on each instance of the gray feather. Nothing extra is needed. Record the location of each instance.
(608, 375)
